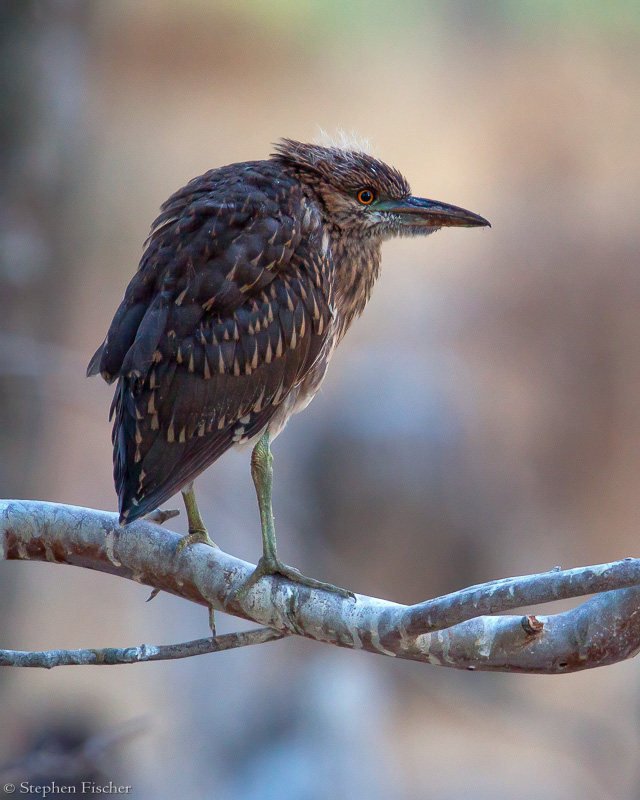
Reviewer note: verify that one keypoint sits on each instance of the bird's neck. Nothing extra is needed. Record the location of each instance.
(357, 267)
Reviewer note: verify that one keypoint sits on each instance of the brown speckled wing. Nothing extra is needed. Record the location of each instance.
(226, 315)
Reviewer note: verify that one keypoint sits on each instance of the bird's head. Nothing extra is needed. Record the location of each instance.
(363, 197)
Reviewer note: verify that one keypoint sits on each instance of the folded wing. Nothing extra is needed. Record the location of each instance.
(227, 313)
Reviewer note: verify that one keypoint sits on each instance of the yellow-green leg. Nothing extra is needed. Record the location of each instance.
(270, 564)
(197, 535)
(197, 531)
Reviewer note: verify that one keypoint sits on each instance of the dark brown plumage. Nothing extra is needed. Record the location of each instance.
(252, 274)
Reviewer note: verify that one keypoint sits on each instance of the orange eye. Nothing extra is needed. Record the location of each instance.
(366, 196)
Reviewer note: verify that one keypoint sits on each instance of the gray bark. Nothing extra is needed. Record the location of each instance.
(453, 630)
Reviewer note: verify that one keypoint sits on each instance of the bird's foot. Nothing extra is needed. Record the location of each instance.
(273, 566)
(195, 536)
(198, 536)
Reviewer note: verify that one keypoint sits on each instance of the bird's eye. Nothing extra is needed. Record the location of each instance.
(366, 196)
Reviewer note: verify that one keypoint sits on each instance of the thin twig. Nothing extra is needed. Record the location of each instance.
(136, 655)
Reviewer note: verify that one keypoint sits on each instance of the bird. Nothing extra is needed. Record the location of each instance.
(251, 276)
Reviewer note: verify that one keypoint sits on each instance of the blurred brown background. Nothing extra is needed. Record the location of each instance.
(481, 420)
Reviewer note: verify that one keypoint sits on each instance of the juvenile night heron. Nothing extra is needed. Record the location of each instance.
(250, 278)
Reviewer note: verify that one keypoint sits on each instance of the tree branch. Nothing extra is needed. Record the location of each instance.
(452, 630)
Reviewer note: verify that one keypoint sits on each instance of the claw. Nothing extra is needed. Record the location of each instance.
(195, 537)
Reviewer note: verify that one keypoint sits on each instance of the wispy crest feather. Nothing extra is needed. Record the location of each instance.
(349, 141)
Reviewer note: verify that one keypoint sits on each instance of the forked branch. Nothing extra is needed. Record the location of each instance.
(454, 630)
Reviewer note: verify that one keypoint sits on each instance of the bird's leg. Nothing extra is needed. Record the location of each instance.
(197, 531)
(197, 534)
(270, 564)
(262, 474)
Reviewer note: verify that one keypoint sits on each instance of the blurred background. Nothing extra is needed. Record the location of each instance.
(481, 420)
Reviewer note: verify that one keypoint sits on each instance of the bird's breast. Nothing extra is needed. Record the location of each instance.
(357, 267)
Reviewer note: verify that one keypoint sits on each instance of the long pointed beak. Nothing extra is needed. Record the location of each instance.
(417, 212)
